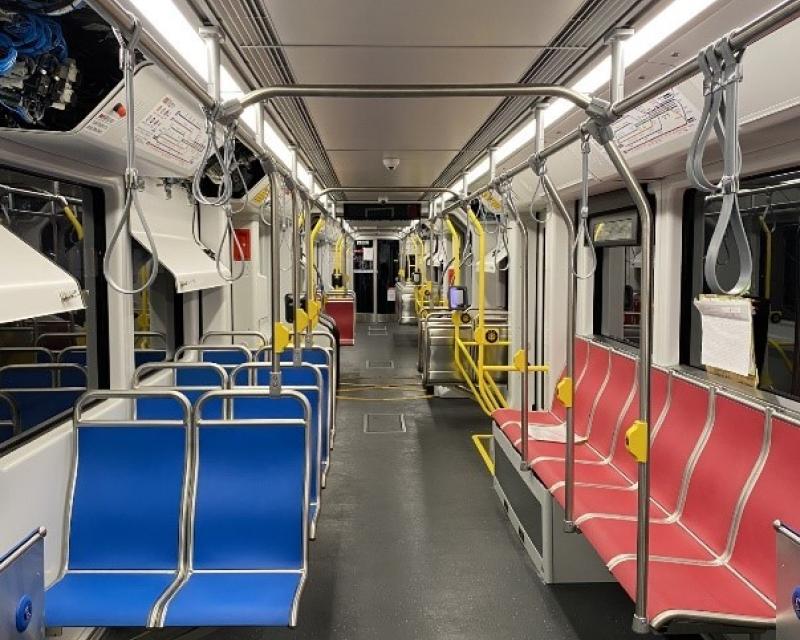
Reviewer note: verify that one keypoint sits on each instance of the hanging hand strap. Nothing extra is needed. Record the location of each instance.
(127, 60)
(582, 235)
(721, 68)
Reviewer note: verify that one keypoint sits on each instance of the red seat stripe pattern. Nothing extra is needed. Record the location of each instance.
(720, 473)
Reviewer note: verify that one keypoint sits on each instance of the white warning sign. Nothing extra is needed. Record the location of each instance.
(172, 132)
(663, 118)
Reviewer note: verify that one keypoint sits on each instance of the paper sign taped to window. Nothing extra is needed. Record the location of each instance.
(391, 294)
(727, 323)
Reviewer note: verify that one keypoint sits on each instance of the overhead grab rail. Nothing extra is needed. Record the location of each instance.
(127, 61)
(722, 73)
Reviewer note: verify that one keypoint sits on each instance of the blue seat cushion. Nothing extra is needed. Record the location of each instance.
(104, 599)
(235, 600)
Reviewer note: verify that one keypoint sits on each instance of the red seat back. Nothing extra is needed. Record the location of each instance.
(677, 437)
(772, 499)
(612, 402)
(659, 385)
(586, 394)
(581, 352)
(722, 471)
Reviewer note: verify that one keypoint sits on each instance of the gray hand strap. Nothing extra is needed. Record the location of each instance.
(721, 69)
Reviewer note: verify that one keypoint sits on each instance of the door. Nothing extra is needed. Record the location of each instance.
(388, 267)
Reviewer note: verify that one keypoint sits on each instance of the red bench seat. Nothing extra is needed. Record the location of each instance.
(721, 473)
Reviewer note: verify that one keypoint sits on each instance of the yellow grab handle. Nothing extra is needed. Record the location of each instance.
(564, 391)
(314, 308)
(636, 440)
(301, 320)
(280, 334)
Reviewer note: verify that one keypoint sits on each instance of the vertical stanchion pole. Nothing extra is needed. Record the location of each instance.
(309, 275)
(525, 343)
(212, 36)
(297, 351)
(640, 621)
(275, 277)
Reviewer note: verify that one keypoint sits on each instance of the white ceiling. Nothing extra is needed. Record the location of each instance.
(408, 42)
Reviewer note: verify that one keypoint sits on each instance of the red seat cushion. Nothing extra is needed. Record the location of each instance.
(591, 471)
(677, 590)
(613, 538)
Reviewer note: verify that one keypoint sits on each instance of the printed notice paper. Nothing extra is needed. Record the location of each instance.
(551, 433)
(727, 333)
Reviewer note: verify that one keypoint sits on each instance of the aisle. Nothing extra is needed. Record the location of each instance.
(412, 542)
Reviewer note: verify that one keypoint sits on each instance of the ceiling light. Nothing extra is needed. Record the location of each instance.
(676, 15)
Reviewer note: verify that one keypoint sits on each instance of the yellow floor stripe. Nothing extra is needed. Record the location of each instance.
(478, 439)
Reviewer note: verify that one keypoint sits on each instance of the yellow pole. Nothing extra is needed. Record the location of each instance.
(311, 303)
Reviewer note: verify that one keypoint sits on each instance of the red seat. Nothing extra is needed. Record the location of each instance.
(697, 592)
(593, 373)
(617, 468)
(715, 559)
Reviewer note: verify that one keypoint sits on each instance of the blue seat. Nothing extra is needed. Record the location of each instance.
(307, 379)
(41, 392)
(77, 356)
(320, 357)
(192, 379)
(145, 356)
(125, 524)
(227, 356)
(248, 562)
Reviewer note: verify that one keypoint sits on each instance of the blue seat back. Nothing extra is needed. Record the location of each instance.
(74, 355)
(37, 406)
(190, 379)
(251, 493)
(143, 356)
(24, 376)
(127, 496)
(227, 358)
(306, 379)
(322, 358)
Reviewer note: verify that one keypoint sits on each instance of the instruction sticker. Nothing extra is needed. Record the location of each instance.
(663, 118)
(103, 121)
(172, 132)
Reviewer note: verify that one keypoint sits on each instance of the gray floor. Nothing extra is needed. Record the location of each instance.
(412, 542)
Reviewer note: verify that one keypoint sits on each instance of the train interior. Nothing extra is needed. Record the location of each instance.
(363, 319)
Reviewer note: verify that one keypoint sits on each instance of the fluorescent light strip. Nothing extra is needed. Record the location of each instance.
(176, 29)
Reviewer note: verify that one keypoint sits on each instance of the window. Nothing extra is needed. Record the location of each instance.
(614, 227)
(157, 312)
(50, 341)
(772, 222)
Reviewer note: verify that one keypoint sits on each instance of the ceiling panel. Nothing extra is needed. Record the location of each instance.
(416, 22)
(410, 42)
(365, 168)
(389, 124)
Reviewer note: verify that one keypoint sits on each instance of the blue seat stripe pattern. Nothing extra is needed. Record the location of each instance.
(252, 488)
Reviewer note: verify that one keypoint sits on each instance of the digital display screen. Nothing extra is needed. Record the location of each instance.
(457, 298)
(615, 230)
